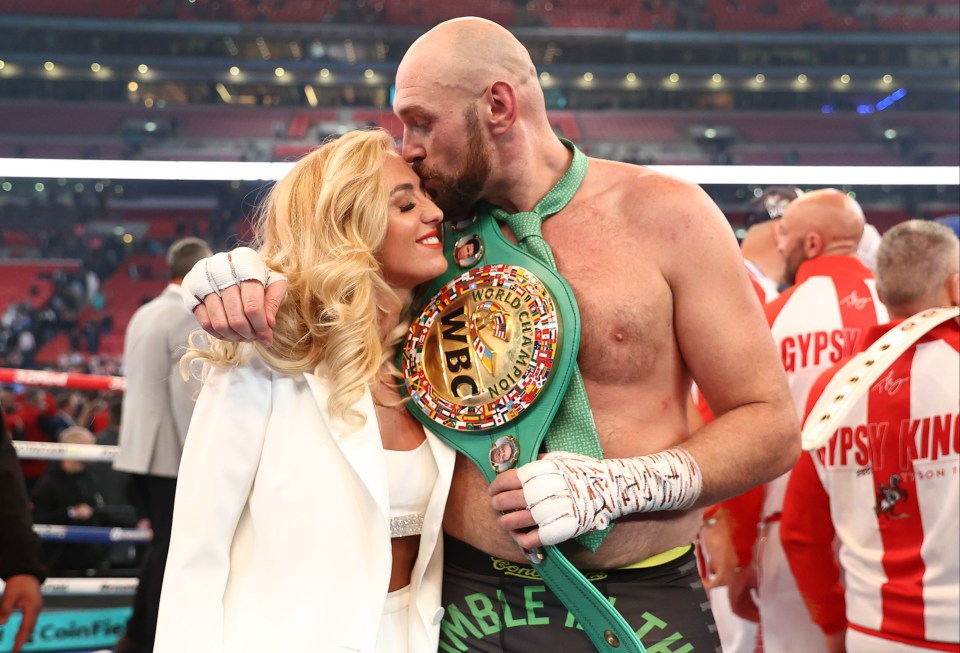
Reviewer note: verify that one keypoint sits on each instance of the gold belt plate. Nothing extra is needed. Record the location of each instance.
(482, 349)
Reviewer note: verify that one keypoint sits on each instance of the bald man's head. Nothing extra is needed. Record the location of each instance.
(824, 222)
(464, 92)
(464, 56)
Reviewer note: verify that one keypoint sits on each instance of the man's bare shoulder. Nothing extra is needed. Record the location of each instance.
(638, 188)
(641, 195)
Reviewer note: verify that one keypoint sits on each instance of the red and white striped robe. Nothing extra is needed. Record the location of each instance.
(888, 486)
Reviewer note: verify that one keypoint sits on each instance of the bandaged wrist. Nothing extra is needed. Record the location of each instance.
(569, 494)
(220, 271)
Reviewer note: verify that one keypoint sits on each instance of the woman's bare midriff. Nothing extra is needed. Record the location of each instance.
(399, 431)
(405, 550)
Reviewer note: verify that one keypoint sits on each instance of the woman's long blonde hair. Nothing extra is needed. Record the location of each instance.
(322, 225)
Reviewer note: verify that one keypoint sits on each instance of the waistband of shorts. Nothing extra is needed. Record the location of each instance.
(473, 559)
(661, 558)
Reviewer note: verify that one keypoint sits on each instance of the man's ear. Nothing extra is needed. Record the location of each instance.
(953, 289)
(502, 100)
(813, 244)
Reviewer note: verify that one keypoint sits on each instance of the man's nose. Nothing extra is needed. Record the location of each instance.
(411, 150)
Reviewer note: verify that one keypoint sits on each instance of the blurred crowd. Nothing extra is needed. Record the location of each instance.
(25, 327)
(70, 492)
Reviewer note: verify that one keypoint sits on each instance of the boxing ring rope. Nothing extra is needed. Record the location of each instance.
(92, 534)
(69, 380)
(87, 586)
(57, 450)
(60, 451)
(83, 452)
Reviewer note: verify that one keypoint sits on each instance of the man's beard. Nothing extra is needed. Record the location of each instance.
(457, 193)
(793, 262)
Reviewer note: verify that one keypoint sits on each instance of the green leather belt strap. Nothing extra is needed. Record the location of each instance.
(531, 427)
(573, 428)
(607, 629)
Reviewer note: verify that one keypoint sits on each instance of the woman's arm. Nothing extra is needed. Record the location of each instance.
(217, 471)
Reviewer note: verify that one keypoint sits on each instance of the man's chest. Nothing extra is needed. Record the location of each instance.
(625, 304)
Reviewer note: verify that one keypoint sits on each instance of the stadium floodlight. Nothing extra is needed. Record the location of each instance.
(269, 171)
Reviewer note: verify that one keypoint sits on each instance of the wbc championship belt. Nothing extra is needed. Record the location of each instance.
(486, 364)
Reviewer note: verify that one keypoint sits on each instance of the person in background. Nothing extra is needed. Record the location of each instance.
(31, 410)
(21, 566)
(156, 410)
(123, 501)
(117, 486)
(815, 322)
(886, 485)
(767, 269)
(759, 245)
(68, 495)
(718, 552)
(867, 248)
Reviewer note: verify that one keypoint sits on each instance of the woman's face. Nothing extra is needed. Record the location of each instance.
(412, 252)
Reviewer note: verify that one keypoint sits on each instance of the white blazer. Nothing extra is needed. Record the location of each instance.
(281, 537)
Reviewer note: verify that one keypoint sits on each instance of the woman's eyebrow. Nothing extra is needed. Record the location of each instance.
(400, 188)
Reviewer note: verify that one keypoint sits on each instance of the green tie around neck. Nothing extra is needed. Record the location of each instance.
(573, 428)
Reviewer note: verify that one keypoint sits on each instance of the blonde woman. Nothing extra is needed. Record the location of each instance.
(309, 501)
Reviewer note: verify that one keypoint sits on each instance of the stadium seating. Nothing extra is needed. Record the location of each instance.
(724, 15)
(244, 133)
(28, 281)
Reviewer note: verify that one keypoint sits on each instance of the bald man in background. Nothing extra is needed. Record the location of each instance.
(816, 322)
(475, 126)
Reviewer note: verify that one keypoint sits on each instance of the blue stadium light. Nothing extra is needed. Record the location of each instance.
(896, 96)
(865, 108)
(827, 108)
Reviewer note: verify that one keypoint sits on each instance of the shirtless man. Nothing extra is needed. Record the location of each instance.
(663, 296)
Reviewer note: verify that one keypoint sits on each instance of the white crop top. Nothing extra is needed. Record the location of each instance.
(411, 476)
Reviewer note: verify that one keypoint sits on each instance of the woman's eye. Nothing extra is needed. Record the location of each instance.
(407, 207)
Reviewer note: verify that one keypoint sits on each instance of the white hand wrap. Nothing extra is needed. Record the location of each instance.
(220, 271)
(570, 494)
